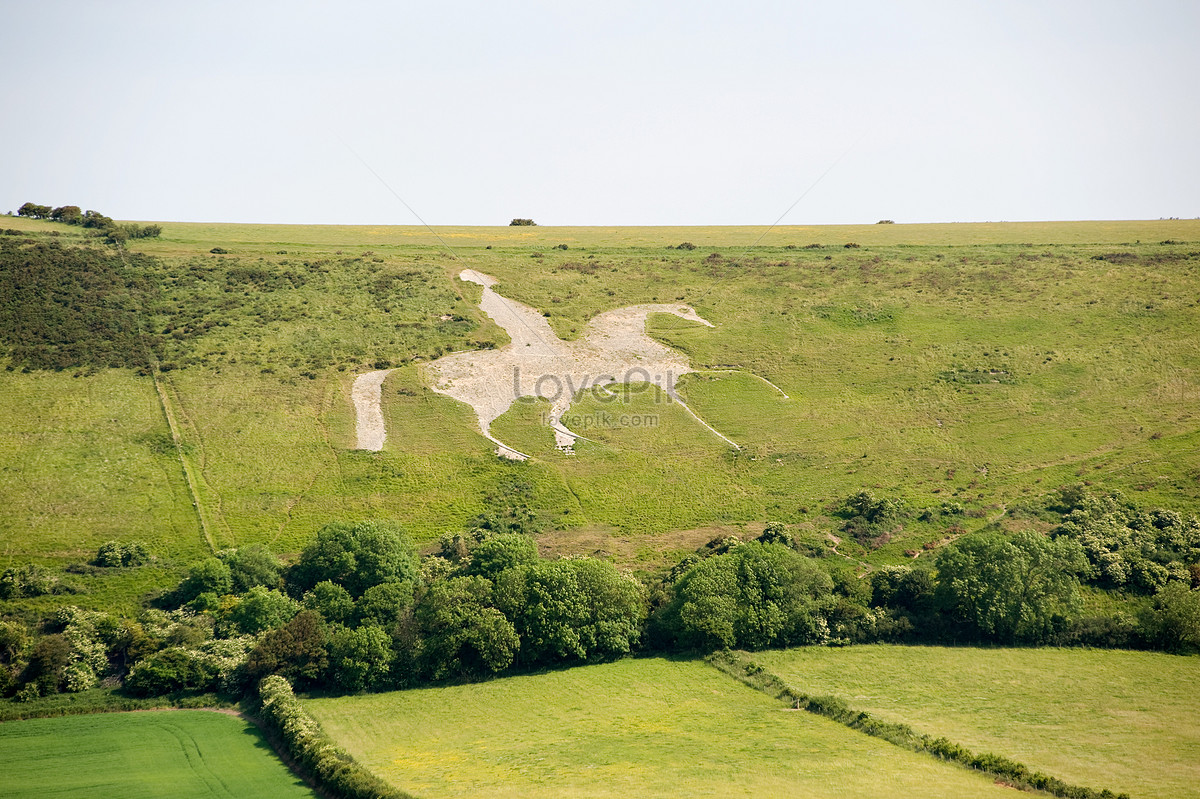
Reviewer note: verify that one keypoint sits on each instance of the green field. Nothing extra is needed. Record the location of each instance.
(148, 754)
(984, 363)
(646, 727)
(1127, 721)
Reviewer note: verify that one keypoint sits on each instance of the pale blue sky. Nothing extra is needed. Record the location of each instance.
(624, 113)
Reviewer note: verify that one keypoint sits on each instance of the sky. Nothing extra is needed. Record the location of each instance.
(611, 113)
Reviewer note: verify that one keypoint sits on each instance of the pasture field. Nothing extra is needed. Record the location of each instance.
(1126, 721)
(146, 754)
(984, 364)
(643, 727)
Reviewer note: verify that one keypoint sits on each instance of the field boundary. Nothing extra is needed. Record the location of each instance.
(739, 666)
(310, 748)
(177, 439)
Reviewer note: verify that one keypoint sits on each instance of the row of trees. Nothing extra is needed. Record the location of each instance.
(359, 609)
(113, 232)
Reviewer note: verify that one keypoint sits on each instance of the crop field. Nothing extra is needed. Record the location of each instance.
(632, 728)
(1122, 720)
(986, 364)
(152, 754)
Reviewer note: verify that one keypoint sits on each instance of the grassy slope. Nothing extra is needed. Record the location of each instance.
(632, 728)
(151, 754)
(1098, 356)
(1122, 720)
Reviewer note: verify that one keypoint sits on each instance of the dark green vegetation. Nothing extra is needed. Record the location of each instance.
(180, 754)
(72, 307)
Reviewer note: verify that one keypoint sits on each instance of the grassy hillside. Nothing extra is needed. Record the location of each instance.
(152, 754)
(984, 364)
(1122, 720)
(636, 727)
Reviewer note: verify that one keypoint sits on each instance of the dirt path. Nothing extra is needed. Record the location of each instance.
(613, 349)
(367, 393)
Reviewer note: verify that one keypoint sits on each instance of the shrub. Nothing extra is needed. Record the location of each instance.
(27, 581)
(209, 576)
(173, 669)
(522, 223)
(47, 664)
(295, 650)
(501, 551)
(69, 307)
(337, 772)
(776, 533)
(251, 566)
(1172, 622)
(113, 554)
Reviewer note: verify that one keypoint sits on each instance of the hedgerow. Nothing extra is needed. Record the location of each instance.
(308, 745)
(1009, 771)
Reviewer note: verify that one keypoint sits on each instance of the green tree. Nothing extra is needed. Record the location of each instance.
(615, 608)
(502, 551)
(461, 633)
(1021, 588)
(261, 609)
(68, 214)
(754, 596)
(95, 219)
(333, 602)
(548, 609)
(253, 565)
(34, 211)
(209, 576)
(1172, 622)
(382, 605)
(359, 657)
(355, 556)
(297, 650)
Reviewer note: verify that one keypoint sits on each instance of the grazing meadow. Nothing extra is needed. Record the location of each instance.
(649, 727)
(1126, 721)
